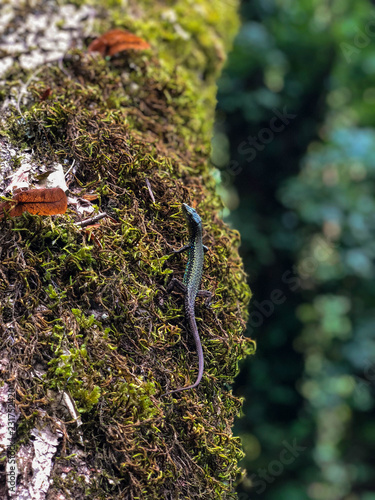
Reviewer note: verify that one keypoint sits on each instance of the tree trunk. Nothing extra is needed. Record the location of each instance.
(89, 338)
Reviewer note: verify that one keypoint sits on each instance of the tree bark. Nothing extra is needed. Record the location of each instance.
(89, 338)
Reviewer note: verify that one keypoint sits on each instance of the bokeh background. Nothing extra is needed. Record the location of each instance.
(294, 146)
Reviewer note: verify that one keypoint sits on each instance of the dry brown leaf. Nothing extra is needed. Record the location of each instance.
(115, 41)
(36, 201)
(46, 94)
(90, 196)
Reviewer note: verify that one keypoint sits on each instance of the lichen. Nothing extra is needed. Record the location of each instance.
(96, 318)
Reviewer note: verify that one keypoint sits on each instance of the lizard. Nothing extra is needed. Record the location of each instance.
(191, 282)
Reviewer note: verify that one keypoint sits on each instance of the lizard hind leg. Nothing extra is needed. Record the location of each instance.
(176, 284)
(207, 294)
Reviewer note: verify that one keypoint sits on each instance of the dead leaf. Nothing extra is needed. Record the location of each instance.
(115, 41)
(46, 94)
(81, 205)
(55, 178)
(36, 201)
(20, 179)
(89, 230)
(90, 196)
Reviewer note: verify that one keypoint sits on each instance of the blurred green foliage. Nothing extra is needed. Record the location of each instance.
(295, 146)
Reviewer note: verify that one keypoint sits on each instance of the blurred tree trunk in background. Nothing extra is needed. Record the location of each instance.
(295, 143)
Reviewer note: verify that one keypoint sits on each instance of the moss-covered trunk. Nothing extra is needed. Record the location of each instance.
(89, 337)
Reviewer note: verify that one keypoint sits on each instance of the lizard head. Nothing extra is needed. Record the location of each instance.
(191, 215)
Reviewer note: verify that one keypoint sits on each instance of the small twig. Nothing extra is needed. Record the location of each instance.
(60, 64)
(94, 219)
(70, 168)
(150, 190)
(24, 88)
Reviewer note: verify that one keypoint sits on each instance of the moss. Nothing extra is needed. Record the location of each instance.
(97, 318)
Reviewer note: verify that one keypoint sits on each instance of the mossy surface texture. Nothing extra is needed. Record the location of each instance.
(92, 314)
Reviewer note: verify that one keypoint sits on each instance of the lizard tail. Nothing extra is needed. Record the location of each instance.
(190, 313)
